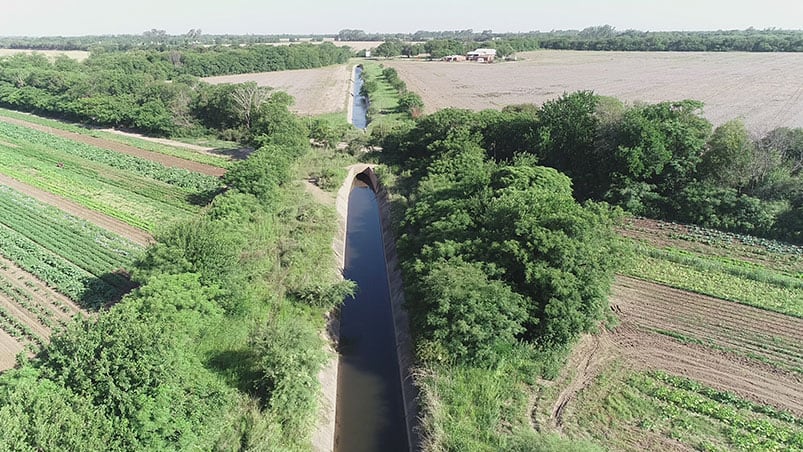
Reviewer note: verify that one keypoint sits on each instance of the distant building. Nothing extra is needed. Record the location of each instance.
(482, 55)
(454, 58)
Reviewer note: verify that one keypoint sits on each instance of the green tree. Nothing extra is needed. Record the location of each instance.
(729, 155)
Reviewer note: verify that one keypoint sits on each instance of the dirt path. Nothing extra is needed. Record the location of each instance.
(589, 357)
(166, 160)
(165, 141)
(106, 222)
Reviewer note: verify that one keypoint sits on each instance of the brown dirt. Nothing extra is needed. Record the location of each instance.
(763, 89)
(316, 91)
(61, 308)
(589, 357)
(112, 224)
(318, 194)
(645, 306)
(9, 348)
(165, 141)
(166, 160)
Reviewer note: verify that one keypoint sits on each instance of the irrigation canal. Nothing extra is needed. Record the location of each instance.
(370, 409)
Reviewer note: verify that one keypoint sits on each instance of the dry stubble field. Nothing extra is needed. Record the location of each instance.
(316, 91)
(765, 90)
(78, 55)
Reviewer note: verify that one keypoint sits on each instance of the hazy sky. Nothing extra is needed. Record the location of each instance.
(83, 17)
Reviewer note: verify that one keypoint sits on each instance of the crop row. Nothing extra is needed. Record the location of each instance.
(20, 331)
(772, 435)
(186, 154)
(86, 245)
(50, 161)
(122, 199)
(725, 397)
(60, 274)
(719, 284)
(63, 147)
(26, 301)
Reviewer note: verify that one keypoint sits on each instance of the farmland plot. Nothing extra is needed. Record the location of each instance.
(316, 91)
(171, 158)
(683, 371)
(138, 192)
(762, 89)
(52, 267)
(80, 260)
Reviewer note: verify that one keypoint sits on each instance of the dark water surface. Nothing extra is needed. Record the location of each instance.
(370, 414)
(359, 116)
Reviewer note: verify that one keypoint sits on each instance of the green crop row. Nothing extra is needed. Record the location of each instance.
(735, 267)
(62, 147)
(771, 435)
(84, 244)
(186, 154)
(19, 330)
(137, 202)
(725, 397)
(45, 160)
(60, 274)
(717, 283)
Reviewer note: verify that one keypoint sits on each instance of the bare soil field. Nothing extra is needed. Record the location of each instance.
(741, 349)
(78, 55)
(106, 222)
(316, 91)
(765, 90)
(34, 305)
(727, 346)
(166, 160)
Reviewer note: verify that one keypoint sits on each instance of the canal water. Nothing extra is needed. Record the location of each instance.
(360, 108)
(370, 412)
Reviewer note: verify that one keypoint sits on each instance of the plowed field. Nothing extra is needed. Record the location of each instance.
(763, 89)
(316, 91)
(728, 346)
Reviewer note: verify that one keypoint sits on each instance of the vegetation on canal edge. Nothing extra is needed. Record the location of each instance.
(219, 347)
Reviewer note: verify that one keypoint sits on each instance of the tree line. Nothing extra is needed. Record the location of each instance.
(150, 39)
(155, 91)
(598, 38)
(662, 161)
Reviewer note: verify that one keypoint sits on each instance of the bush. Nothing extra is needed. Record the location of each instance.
(467, 314)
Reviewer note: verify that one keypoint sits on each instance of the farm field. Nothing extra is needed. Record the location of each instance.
(78, 55)
(53, 266)
(682, 370)
(138, 192)
(316, 91)
(165, 156)
(762, 89)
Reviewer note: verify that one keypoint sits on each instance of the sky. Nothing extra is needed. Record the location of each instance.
(87, 17)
